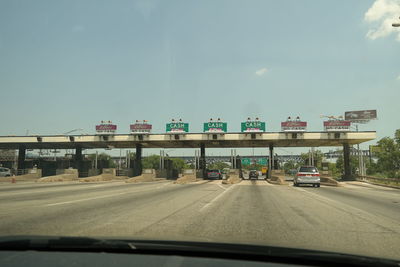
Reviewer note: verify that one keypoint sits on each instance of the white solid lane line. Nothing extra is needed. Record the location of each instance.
(217, 197)
(85, 199)
(105, 196)
(49, 190)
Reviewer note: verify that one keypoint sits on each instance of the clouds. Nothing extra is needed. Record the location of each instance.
(261, 72)
(381, 15)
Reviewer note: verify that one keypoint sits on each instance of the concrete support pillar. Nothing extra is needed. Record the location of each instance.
(78, 158)
(270, 160)
(346, 162)
(21, 157)
(202, 160)
(138, 160)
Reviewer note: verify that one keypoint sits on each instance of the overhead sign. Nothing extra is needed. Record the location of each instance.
(106, 127)
(294, 126)
(253, 126)
(246, 161)
(177, 127)
(361, 115)
(337, 125)
(262, 161)
(212, 126)
(375, 149)
(141, 128)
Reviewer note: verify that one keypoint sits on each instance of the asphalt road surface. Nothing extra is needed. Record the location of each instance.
(355, 218)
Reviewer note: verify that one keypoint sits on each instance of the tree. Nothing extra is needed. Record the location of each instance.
(103, 157)
(179, 164)
(219, 165)
(151, 162)
(318, 155)
(389, 156)
(290, 165)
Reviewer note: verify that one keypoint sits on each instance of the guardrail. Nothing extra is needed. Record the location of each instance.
(387, 181)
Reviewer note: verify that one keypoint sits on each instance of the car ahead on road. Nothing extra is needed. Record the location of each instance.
(253, 174)
(307, 175)
(214, 174)
(5, 172)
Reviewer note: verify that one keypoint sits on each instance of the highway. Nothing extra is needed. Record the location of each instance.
(355, 218)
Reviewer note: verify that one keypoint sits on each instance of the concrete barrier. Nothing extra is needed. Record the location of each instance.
(32, 175)
(188, 176)
(233, 177)
(62, 176)
(148, 175)
(277, 179)
(326, 180)
(111, 171)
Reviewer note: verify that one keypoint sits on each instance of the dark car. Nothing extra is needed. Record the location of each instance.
(253, 174)
(214, 174)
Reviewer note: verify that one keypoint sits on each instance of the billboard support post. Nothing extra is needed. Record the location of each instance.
(357, 117)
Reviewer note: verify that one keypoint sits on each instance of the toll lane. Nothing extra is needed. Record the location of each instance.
(250, 212)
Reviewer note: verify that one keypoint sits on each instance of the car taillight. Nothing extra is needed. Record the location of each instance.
(301, 174)
(315, 174)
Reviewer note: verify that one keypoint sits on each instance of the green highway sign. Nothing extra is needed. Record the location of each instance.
(246, 161)
(177, 127)
(215, 127)
(262, 161)
(253, 126)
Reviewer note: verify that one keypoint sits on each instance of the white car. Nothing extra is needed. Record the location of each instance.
(307, 175)
(5, 172)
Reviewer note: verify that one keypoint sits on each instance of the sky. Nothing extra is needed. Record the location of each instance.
(68, 65)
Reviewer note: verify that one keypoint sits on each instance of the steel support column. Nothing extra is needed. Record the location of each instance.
(21, 157)
(270, 160)
(138, 160)
(202, 160)
(78, 158)
(346, 162)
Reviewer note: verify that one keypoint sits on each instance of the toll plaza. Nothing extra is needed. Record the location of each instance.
(182, 139)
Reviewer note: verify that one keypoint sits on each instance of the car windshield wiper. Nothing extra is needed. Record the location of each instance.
(194, 249)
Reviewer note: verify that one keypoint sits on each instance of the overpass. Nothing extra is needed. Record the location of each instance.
(188, 140)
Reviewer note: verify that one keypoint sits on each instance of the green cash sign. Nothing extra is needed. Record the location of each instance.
(262, 161)
(249, 161)
(253, 126)
(215, 127)
(177, 127)
(246, 161)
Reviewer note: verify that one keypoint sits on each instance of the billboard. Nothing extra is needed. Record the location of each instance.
(360, 115)
(106, 127)
(294, 126)
(141, 128)
(177, 127)
(212, 127)
(253, 126)
(337, 126)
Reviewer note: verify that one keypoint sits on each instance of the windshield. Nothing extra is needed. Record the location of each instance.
(121, 115)
(308, 169)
